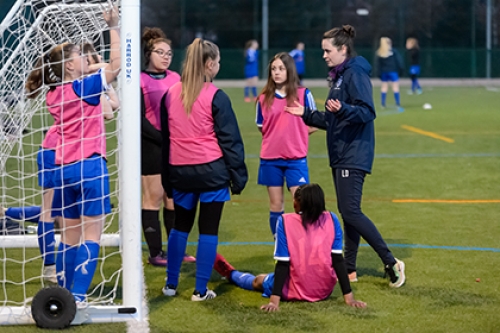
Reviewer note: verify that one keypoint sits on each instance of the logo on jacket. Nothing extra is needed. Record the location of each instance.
(339, 82)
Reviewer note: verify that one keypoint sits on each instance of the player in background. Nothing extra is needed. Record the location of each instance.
(308, 254)
(413, 51)
(298, 56)
(155, 81)
(390, 65)
(203, 157)
(285, 138)
(251, 69)
(351, 145)
(73, 100)
(109, 100)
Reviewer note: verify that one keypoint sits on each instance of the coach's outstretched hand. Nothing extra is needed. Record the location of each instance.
(349, 300)
(297, 110)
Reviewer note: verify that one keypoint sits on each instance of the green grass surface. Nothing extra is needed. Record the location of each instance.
(446, 246)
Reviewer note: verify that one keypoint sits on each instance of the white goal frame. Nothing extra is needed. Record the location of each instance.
(130, 237)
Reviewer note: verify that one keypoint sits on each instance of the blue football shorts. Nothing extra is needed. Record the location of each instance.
(275, 172)
(46, 160)
(389, 76)
(415, 70)
(85, 188)
(189, 200)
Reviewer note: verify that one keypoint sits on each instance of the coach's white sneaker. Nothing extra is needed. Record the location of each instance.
(396, 274)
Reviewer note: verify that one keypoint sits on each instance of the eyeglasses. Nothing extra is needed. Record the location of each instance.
(164, 54)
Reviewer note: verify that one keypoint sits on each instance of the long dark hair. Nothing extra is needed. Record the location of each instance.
(312, 203)
(291, 84)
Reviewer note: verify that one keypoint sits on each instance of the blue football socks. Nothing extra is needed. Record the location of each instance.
(396, 98)
(243, 280)
(273, 218)
(65, 264)
(205, 257)
(383, 98)
(177, 242)
(85, 266)
(30, 213)
(46, 242)
(254, 91)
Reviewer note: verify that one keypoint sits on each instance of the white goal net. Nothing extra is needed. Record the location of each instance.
(31, 29)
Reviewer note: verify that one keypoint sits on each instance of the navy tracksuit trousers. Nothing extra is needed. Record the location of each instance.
(349, 189)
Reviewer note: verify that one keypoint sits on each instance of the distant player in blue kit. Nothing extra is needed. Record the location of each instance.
(251, 69)
(300, 63)
(413, 51)
(203, 158)
(308, 254)
(390, 65)
(285, 138)
(73, 100)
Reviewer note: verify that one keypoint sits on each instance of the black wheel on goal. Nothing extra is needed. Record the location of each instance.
(53, 307)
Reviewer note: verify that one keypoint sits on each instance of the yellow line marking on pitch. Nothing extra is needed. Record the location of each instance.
(444, 201)
(426, 133)
(319, 101)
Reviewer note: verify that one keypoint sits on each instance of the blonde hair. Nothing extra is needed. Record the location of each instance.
(385, 47)
(193, 70)
(49, 69)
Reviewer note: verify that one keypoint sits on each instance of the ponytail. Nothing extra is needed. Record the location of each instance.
(193, 70)
(48, 69)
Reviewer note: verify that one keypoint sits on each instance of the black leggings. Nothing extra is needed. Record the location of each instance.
(208, 219)
(349, 188)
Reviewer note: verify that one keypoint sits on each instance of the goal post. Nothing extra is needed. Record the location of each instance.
(31, 28)
(130, 178)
